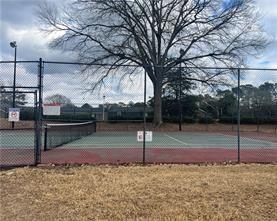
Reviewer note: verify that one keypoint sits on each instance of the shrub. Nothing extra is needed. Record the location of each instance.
(189, 120)
(206, 120)
(175, 119)
(228, 120)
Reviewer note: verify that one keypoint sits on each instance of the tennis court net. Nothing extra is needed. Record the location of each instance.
(58, 134)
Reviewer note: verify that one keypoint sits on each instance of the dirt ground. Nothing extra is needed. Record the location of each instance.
(157, 192)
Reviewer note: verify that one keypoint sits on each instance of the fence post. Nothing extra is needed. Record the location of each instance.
(144, 118)
(38, 151)
(179, 99)
(238, 115)
(45, 139)
(36, 128)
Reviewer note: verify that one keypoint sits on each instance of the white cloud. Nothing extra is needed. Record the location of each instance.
(70, 83)
(257, 78)
(268, 7)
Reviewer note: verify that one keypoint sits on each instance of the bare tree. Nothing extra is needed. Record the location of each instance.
(157, 35)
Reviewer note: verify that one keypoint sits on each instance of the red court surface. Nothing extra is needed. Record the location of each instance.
(156, 155)
(16, 157)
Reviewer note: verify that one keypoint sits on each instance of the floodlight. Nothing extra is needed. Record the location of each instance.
(13, 44)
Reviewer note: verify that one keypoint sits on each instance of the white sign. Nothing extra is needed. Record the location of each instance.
(14, 114)
(148, 136)
(52, 109)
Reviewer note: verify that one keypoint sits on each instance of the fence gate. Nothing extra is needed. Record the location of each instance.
(20, 138)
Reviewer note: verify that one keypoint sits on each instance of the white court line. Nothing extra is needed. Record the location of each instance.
(179, 141)
(110, 145)
(201, 145)
(247, 138)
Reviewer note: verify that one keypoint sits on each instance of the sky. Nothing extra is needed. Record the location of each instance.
(18, 23)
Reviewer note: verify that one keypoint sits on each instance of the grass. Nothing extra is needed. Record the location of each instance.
(159, 192)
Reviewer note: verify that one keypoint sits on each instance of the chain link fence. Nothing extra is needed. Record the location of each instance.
(116, 108)
(103, 118)
(258, 115)
(19, 139)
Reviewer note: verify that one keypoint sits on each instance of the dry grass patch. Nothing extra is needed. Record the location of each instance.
(166, 192)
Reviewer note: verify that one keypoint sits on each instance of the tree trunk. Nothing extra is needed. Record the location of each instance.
(157, 104)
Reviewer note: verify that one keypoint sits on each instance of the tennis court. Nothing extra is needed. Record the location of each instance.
(20, 139)
(123, 147)
(17, 147)
(25, 139)
(166, 140)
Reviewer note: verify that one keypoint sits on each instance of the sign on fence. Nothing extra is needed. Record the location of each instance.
(52, 109)
(14, 114)
(148, 136)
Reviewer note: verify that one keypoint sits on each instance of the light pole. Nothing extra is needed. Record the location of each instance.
(13, 45)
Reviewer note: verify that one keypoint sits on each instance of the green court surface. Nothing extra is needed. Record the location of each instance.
(23, 139)
(167, 140)
(17, 139)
